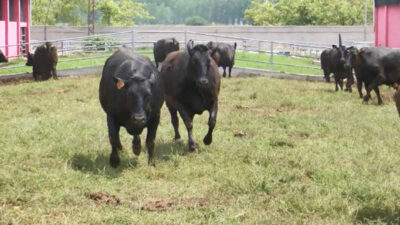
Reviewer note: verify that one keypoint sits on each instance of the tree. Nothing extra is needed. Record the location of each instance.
(308, 12)
(74, 12)
(123, 12)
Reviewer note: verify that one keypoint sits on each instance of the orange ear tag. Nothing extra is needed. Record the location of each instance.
(120, 84)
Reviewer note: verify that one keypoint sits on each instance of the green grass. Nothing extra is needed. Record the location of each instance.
(310, 156)
(242, 60)
(65, 62)
(260, 61)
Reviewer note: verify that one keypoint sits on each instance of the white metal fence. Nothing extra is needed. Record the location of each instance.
(142, 42)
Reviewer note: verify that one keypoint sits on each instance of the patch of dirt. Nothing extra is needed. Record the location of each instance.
(240, 134)
(104, 197)
(387, 96)
(12, 206)
(300, 135)
(158, 205)
(81, 100)
(241, 107)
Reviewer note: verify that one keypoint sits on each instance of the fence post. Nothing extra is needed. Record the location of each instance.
(271, 56)
(259, 46)
(62, 48)
(185, 38)
(133, 40)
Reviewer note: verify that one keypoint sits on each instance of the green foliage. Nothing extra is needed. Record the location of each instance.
(74, 12)
(213, 11)
(121, 13)
(100, 43)
(196, 21)
(308, 12)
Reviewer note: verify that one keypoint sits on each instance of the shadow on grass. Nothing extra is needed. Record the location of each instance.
(165, 151)
(386, 215)
(100, 165)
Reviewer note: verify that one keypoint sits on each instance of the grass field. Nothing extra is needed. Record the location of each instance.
(243, 59)
(306, 155)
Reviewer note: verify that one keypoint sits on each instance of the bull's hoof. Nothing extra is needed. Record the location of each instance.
(178, 139)
(207, 140)
(193, 148)
(366, 99)
(136, 149)
(114, 160)
(151, 162)
(380, 103)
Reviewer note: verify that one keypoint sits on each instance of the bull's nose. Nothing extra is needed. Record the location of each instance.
(139, 119)
(203, 82)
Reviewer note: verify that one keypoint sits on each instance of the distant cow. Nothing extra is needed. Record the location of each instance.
(131, 95)
(333, 61)
(44, 62)
(163, 47)
(191, 82)
(366, 63)
(3, 58)
(223, 54)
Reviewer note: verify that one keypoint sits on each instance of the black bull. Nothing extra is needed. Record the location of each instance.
(131, 95)
(334, 61)
(370, 65)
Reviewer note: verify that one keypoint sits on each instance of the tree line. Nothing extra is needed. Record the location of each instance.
(256, 12)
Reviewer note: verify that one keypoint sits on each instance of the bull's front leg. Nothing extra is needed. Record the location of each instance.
(397, 99)
(187, 118)
(113, 134)
(336, 83)
(136, 145)
(151, 136)
(359, 87)
(54, 73)
(212, 120)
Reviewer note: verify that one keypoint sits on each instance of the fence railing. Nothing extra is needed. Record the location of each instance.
(101, 46)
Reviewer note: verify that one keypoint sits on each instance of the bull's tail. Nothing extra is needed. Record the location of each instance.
(234, 45)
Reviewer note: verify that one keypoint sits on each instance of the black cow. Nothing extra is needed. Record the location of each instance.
(44, 62)
(223, 54)
(3, 58)
(163, 47)
(191, 82)
(131, 95)
(334, 61)
(367, 65)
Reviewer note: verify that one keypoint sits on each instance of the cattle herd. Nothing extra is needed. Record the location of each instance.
(132, 89)
(372, 66)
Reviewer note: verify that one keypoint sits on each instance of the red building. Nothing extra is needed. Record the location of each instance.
(14, 26)
(387, 23)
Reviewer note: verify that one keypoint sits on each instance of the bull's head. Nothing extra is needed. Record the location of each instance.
(343, 53)
(199, 63)
(137, 87)
(351, 57)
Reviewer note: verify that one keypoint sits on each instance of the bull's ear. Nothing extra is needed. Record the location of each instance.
(334, 46)
(189, 46)
(152, 78)
(119, 82)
